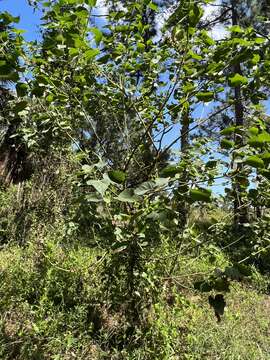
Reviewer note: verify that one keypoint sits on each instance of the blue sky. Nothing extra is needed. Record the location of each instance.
(29, 20)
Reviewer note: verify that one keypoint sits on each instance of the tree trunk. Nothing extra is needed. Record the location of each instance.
(240, 211)
(183, 186)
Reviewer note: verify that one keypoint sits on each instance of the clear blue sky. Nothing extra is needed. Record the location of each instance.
(29, 20)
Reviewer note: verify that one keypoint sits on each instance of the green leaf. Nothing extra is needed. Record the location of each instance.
(195, 13)
(266, 158)
(90, 54)
(97, 35)
(94, 197)
(91, 3)
(20, 106)
(207, 39)
(253, 131)
(228, 131)
(161, 182)
(119, 246)
(260, 140)
(19, 31)
(87, 169)
(158, 216)
(153, 6)
(140, 46)
(7, 18)
(260, 40)
(205, 96)
(200, 194)
(101, 164)
(100, 185)
(73, 51)
(145, 187)
(226, 144)
(237, 80)
(254, 161)
(128, 195)
(104, 59)
(21, 89)
(236, 29)
(194, 55)
(170, 171)
(117, 176)
(256, 59)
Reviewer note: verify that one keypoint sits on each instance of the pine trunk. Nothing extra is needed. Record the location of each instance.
(240, 211)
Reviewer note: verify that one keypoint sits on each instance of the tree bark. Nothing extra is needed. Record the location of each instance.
(240, 211)
(183, 186)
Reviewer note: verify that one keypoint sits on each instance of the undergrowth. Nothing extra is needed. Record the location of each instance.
(62, 298)
(54, 306)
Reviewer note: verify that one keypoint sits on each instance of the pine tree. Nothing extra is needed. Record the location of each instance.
(240, 15)
(13, 155)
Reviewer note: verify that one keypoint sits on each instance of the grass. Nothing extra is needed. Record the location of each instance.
(242, 334)
(53, 306)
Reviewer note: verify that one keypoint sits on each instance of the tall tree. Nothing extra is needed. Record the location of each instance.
(244, 14)
(13, 154)
(186, 37)
(242, 59)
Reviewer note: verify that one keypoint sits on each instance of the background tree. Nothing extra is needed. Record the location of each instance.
(13, 154)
